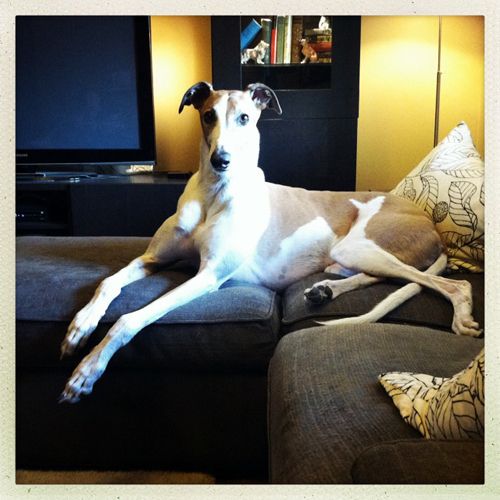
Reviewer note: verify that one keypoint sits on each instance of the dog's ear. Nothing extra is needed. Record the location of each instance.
(264, 97)
(196, 95)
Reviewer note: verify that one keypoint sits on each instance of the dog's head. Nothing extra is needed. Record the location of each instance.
(229, 121)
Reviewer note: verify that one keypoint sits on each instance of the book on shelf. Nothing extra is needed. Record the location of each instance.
(274, 43)
(249, 34)
(267, 26)
(318, 32)
(287, 46)
(319, 38)
(280, 34)
(297, 29)
(283, 42)
(321, 46)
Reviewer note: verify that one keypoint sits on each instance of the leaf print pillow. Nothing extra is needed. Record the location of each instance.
(441, 408)
(449, 185)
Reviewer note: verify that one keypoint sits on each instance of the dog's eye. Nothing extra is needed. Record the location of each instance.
(243, 119)
(209, 116)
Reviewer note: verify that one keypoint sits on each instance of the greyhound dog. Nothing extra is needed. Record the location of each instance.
(236, 225)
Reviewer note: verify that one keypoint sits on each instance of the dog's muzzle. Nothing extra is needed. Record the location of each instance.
(220, 160)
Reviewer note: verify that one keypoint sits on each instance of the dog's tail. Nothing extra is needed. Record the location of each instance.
(392, 301)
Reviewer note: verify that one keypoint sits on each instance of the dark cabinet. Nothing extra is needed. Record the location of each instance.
(313, 143)
(104, 206)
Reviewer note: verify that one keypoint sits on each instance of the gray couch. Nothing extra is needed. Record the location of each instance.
(193, 391)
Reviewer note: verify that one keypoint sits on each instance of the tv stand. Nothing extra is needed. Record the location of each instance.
(55, 176)
(88, 204)
(50, 174)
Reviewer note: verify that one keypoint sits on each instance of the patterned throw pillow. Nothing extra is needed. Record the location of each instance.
(449, 185)
(441, 408)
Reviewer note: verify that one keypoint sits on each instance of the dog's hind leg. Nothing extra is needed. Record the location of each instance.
(330, 289)
(392, 301)
(365, 256)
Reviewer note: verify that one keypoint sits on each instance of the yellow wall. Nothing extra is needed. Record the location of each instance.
(397, 91)
(462, 87)
(182, 56)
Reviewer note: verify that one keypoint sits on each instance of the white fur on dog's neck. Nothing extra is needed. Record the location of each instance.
(238, 180)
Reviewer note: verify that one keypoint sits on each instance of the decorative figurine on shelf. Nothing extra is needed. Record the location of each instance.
(324, 23)
(256, 54)
(308, 52)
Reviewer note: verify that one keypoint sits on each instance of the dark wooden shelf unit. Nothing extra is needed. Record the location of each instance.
(313, 143)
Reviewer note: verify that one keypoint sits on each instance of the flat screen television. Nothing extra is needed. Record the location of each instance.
(83, 93)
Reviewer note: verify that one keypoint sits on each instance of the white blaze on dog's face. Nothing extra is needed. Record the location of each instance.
(229, 123)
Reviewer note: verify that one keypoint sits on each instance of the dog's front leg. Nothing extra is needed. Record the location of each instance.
(123, 331)
(168, 244)
(85, 322)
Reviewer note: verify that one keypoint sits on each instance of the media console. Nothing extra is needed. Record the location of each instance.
(79, 204)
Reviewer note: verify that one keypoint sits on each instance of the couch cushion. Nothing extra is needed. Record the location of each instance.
(441, 408)
(234, 327)
(416, 461)
(325, 402)
(428, 308)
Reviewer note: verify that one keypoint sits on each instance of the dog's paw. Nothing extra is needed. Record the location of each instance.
(466, 326)
(82, 380)
(318, 294)
(80, 329)
(463, 322)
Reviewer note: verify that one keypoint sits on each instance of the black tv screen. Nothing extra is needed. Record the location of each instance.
(83, 91)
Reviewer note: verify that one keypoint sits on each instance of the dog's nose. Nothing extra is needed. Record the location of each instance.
(220, 160)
